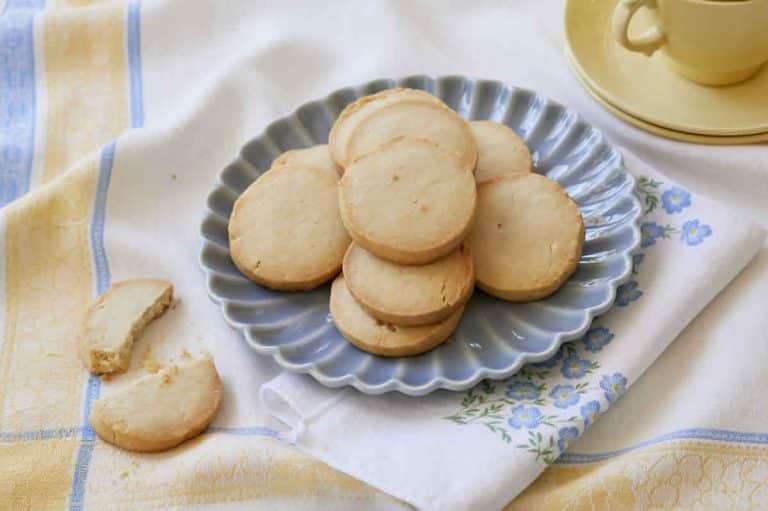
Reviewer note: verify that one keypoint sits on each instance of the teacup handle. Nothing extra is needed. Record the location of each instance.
(650, 41)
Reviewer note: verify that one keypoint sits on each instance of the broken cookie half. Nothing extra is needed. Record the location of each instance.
(116, 318)
(161, 410)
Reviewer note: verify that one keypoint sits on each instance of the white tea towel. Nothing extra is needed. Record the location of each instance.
(480, 448)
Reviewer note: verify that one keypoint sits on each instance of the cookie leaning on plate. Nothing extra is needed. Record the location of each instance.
(373, 120)
(410, 201)
(527, 237)
(358, 110)
(409, 295)
(380, 338)
(500, 151)
(285, 231)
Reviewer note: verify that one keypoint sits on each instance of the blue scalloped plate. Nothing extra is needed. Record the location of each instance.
(495, 338)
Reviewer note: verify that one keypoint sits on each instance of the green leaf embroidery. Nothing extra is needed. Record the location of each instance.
(648, 189)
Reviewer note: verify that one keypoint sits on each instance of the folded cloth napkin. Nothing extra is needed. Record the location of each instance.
(480, 448)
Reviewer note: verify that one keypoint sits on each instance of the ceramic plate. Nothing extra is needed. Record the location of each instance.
(623, 78)
(494, 338)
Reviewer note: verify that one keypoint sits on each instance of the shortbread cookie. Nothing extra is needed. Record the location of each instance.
(409, 295)
(379, 338)
(160, 410)
(316, 156)
(285, 231)
(527, 238)
(116, 318)
(358, 110)
(414, 119)
(410, 201)
(500, 151)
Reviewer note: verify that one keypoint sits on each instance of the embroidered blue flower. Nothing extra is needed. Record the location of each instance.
(613, 385)
(675, 200)
(649, 233)
(522, 390)
(637, 259)
(596, 338)
(694, 233)
(566, 436)
(564, 396)
(589, 412)
(575, 367)
(627, 293)
(550, 362)
(525, 416)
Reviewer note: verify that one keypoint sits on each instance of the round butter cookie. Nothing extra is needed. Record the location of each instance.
(410, 201)
(527, 237)
(285, 231)
(358, 110)
(418, 119)
(316, 156)
(379, 338)
(500, 151)
(409, 295)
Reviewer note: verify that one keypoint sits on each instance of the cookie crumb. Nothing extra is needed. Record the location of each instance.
(395, 178)
(185, 353)
(170, 371)
(149, 363)
(106, 376)
(151, 366)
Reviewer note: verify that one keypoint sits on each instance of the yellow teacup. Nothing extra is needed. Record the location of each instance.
(712, 42)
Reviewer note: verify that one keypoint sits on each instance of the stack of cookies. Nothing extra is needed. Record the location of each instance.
(426, 206)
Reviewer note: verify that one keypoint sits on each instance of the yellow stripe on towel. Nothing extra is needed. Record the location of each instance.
(32, 475)
(48, 283)
(86, 82)
(48, 269)
(686, 474)
(48, 262)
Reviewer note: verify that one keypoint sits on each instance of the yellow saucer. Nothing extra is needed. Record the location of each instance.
(664, 132)
(646, 89)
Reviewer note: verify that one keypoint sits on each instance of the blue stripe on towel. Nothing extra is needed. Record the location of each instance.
(720, 435)
(17, 96)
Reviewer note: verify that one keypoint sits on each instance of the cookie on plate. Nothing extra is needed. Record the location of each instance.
(527, 237)
(285, 231)
(409, 295)
(161, 410)
(410, 201)
(380, 338)
(316, 156)
(358, 110)
(500, 151)
(112, 323)
(379, 121)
